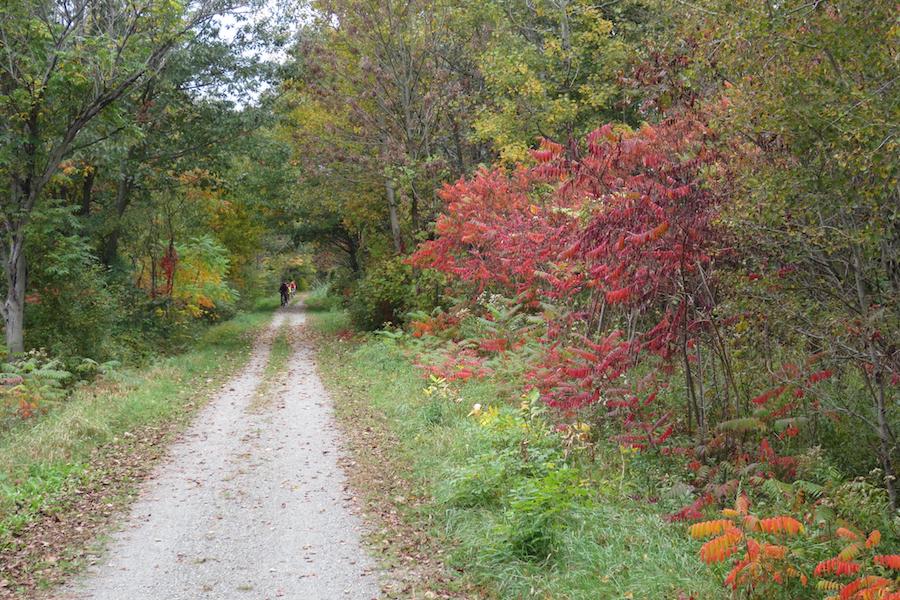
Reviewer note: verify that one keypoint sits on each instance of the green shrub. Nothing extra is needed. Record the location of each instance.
(389, 291)
(382, 296)
(33, 383)
(539, 511)
(482, 481)
(73, 308)
(525, 477)
(266, 303)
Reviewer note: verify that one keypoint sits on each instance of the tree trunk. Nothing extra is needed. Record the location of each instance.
(353, 253)
(885, 449)
(123, 199)
(14, 306)
(690, 396)
(414, 208)
(457, 142)
(884, 437)
(395, 220)
(87, 192)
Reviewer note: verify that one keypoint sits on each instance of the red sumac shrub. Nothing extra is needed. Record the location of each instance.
(617, 240)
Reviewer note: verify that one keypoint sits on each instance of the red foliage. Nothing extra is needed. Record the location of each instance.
(461, 366)
(627, 227)
(168, 263)
(819, 376)
(766, 396)
(889, 561)
(836, 566)
(692, 512)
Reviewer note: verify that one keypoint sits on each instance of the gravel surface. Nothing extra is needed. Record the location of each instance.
(249, 505)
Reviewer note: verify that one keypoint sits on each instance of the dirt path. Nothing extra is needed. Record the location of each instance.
(249, 505)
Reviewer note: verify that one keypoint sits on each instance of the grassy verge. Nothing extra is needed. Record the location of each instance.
(275, 371)
(320, 298)
(522, 516)
(67, 472)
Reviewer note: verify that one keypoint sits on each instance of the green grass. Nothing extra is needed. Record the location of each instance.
(43, 458)
(279, 354)
(524, 528)
(331, 323)
(267, 303)
(320, 298)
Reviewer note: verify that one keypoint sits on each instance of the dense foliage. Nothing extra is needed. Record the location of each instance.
(675, 222)
(136, 199)
(673, 225)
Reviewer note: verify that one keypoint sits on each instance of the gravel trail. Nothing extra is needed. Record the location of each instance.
(249, 504)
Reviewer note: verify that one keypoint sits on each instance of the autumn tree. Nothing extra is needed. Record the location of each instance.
(379, 105)
(812, 124)
(67, 65)
(552, 70)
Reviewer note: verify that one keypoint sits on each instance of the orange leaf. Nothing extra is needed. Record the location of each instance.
(774, 551)
(731, 579)
(867, 584)
(751, 523)
(850, 552)
(659, 231)
(874, 539)
(709, 528)
(788, 525)
(891, 561)
(743, 504)
(752, 549)
(836, 566)
(720, 548)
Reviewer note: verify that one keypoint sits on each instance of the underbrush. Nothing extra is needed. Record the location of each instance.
(543, 502)
(39, 382)
(45, 456)
(529, 510)
(321, 298)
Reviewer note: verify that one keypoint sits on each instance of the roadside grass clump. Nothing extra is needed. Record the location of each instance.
(267, 304)
(332, 323)
(44, 458)
(321, 298)
(522, 512)
(538, 510)
(280, 352)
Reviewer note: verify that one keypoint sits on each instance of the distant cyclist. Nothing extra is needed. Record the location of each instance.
(293, 286)
(285, 291)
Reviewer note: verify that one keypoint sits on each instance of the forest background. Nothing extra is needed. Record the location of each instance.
(672, 223)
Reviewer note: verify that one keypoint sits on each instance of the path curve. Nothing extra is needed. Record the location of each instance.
(248, 505)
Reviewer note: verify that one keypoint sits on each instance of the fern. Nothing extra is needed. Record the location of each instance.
(776, 489)
(808, 488)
